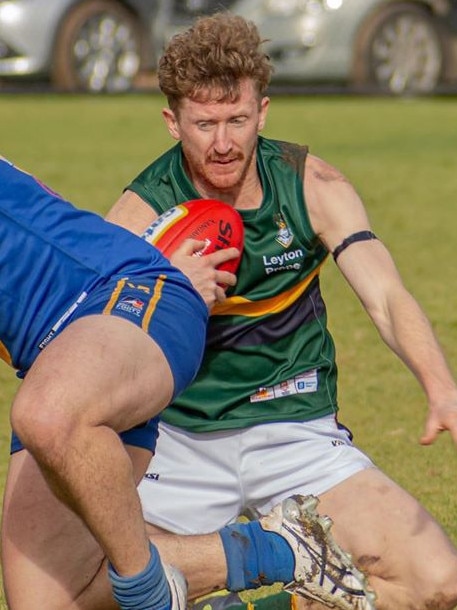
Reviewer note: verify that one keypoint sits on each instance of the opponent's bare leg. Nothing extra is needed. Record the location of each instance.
(45, 545)
(101, 375)
(200, 558)
(49, 556)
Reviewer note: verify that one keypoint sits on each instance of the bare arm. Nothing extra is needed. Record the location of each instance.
(132, 213)
(336, 212)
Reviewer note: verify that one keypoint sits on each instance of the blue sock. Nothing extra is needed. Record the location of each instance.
(255, 556)
(147, 590)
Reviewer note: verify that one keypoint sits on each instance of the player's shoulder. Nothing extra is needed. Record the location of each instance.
(331, 199)
(287, 158)
(321, 171)
(281, 148)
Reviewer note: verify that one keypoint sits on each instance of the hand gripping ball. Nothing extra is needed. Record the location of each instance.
(216, 223)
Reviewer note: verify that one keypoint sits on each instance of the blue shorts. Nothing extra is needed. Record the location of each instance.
(176, 322)
(144, 436)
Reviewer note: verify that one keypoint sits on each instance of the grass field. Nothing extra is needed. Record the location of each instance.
(400, 154)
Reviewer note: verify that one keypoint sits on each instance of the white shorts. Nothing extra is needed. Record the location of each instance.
(198, 483)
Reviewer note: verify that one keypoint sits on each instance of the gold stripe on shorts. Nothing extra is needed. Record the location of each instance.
(153, 302)
(5, 355)
(114, 296)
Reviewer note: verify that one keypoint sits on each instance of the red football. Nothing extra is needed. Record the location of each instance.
(209, 220)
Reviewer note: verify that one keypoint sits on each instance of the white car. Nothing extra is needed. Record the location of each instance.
(92, 45)
(396, 46)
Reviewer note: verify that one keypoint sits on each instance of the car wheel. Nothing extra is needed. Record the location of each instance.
(98, 48)
(400, 50)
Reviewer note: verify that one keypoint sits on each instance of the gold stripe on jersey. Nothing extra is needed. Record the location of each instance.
(240, 306)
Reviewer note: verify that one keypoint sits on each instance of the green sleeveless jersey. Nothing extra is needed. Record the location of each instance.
(269, 355)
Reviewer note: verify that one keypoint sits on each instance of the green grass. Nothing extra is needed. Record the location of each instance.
(400, 154)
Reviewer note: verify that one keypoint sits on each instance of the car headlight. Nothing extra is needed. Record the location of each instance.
(291, 7)
(334, 5)
(9, 12)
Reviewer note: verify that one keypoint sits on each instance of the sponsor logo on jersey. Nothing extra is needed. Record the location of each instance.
(131, 305)
(302, 383)
(288, 261)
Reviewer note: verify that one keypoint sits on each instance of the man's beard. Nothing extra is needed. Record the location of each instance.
(215, 181)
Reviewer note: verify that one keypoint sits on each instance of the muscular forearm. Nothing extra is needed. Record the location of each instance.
(407, 331)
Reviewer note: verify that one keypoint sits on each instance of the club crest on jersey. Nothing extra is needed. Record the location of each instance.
(284, 236)
(131, 305)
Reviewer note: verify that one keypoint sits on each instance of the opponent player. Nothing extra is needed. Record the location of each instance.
(259, 421)
(106, 333)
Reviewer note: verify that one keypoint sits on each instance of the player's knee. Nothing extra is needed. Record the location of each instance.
(436, 588)
(440, 586)
(423, 583)
(42, 429)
